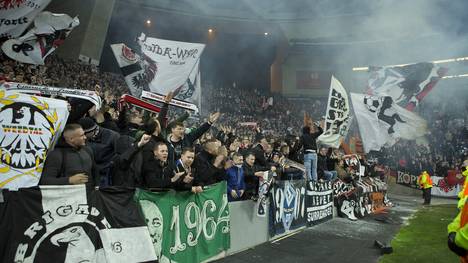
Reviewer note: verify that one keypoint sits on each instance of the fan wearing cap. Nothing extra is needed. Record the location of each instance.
(104, 143)
(425, 182)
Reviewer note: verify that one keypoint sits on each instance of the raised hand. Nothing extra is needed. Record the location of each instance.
(144, 140)
(214, 117)
(169, 97)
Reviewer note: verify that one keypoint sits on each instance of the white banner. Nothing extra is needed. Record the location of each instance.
(381, 122)
(440, 187)
(161, 67)
(407, 85)
(174, 102)
(337, 118)
(16, 16)
(176, 62)
(50, 31)
(88, 95)
(132, 68)
(30, 127)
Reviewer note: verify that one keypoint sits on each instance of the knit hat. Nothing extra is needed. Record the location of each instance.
(88, 124)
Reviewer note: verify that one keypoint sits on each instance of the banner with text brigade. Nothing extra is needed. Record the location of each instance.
(69, 223)
(187, 227)
(319, 202)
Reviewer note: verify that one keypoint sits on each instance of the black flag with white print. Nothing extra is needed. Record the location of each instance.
(72, 224)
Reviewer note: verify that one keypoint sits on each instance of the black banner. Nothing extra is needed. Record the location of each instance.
(407, 180)
(368, 197)
(319, 202)
(287, 206)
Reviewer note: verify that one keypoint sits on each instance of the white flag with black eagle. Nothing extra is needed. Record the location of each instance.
(72, 224)
(382, 122)
(337, 117)
(161, 66)
(30, 127)
(407, 85)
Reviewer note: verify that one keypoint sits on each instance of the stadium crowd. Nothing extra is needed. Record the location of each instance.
(246, 134)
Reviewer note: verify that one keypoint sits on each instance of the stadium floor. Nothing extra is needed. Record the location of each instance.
(338, 240)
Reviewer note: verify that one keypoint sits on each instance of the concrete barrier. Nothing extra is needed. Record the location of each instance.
(247, 229)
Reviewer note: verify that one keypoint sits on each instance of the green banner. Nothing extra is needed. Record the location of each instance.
(187, 227)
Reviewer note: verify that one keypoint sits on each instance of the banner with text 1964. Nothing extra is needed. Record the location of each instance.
(287, 206)
(319, 202)
(187, 227)
(30, 127)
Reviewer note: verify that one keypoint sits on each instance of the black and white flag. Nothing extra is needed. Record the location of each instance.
(17, 15)
(337, 118)
(287, 206)
(161, 66)
(319, 202)
(88, 95)
(407, 85)
(29, 128)
(50, 31)
(69, 224)
(381, 121)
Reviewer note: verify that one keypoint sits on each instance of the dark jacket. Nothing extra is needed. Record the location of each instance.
(79, 109)
(127, 167)
(157, 174)
(260, 159)
(205, 173)
(104, 147)
(251, 181)
(308, 140)
(321, 164)
(179, 184)
(175, 148)
(110, 124)
(65, 161)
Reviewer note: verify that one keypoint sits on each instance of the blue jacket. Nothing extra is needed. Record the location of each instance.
(235, 179)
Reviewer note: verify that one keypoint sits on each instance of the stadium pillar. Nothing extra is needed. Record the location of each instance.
(87, 40)
(276, 69)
